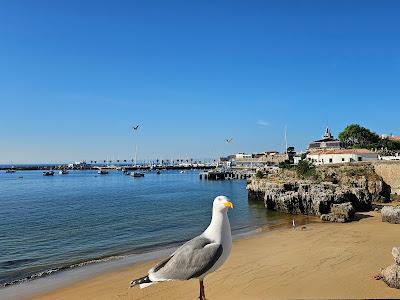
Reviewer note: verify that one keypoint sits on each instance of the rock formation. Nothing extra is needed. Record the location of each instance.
(340, 213)
(391, 214)
(334, 193)
(391, 274)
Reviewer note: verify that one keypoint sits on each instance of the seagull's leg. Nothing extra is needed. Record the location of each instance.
(202, 295)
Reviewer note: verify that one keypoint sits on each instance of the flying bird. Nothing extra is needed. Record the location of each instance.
(229, 140)
(135, 127)
(198, 257)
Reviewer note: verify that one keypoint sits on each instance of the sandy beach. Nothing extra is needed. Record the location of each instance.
(325, 260)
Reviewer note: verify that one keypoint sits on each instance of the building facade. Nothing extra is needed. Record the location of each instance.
(327, 142)
(339, 156)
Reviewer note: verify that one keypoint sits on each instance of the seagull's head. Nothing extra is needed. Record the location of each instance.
(222, 203)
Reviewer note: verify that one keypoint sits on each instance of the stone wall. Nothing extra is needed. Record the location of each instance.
(390, 172)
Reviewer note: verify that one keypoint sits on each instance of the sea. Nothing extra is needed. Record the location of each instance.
(50, 224)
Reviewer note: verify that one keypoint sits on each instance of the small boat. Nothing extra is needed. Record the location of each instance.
(102, 172)
(137, 174)
(158, 172)
(63, 172)
(48, 173)
(11, 170)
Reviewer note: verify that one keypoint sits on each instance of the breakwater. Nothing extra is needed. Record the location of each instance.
(96, 167)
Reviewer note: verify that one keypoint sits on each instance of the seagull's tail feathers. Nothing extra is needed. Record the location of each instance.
(142, 282)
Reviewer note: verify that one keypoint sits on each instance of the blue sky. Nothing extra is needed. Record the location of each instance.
(74, 76)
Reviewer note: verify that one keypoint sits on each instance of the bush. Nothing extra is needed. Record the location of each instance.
(259, 174)
(285, 164)
(306, 169)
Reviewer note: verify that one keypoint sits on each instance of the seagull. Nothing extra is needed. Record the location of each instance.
(135, 127)
(229, 140)
(198, 257)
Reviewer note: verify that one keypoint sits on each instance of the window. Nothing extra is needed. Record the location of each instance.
(359, 158)
(342, 158)
(330, 160)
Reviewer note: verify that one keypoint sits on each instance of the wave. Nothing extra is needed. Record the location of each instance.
(13, 263)
(55, 270)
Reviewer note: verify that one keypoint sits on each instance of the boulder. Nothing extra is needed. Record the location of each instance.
(341, 213)
(396, 255)
(391, 274)
(391, 214)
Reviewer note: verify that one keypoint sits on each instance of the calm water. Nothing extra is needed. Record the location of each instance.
(51, 223)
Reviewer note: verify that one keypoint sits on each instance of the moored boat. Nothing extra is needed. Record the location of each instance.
(48, 173)
(63, 172)
(102, 172)
(137, 174)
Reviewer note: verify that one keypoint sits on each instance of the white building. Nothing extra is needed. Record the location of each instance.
(339, 156)
(391, 157)
(242, 155)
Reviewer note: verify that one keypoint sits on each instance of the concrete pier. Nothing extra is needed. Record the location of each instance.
(225, 175)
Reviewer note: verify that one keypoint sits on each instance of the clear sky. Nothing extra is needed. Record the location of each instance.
(76, 75)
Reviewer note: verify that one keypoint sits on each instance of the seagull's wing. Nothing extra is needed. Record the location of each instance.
(191, 260)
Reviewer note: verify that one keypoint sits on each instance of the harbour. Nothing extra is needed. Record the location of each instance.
(62, 213)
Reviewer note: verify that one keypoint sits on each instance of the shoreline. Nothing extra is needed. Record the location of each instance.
(69, 276)
(326, 260)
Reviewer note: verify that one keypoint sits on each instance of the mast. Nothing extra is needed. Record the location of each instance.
(286, 144)
(135, 154)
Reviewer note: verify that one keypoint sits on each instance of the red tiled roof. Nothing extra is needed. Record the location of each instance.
(341, 151)
(394, 138)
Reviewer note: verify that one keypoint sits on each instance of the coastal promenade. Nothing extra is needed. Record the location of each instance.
(325, 260)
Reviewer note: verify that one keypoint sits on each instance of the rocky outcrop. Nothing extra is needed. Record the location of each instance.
(334, 193)
(340, 213)
(390, 172)
(391, 274)
(391, 214)
(302, 197)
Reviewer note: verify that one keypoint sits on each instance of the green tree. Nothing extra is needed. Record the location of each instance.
(357, 136)
(259, 174)
(388, 144)
(305, 169)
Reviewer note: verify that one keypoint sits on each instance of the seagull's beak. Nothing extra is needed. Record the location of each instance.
(228, 204)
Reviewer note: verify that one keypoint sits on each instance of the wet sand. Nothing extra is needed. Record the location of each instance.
(325, 260)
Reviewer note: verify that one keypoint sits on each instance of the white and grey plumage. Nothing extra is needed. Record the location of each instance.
(198, 257)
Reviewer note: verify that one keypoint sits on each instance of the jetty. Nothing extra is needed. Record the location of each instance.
(226, 174)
